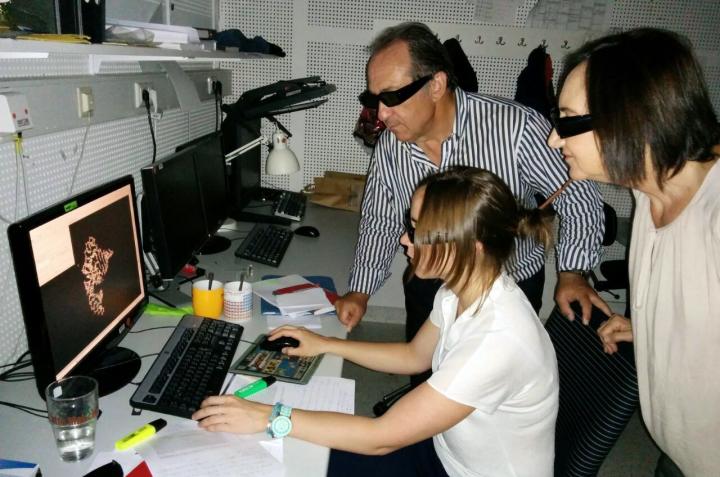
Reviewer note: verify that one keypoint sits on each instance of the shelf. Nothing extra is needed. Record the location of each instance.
(97, 54)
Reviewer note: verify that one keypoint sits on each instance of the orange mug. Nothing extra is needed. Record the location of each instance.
(207, 300)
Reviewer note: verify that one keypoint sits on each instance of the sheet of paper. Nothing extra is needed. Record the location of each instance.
(185, 450)
(302, 301)
(322, 393)
(264, 288)
(310, 322)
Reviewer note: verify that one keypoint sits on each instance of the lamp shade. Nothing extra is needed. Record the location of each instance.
(281, 159)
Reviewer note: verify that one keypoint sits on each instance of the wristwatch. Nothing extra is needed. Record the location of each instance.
(279, 423)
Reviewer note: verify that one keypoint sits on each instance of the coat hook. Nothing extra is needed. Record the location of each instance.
(544, 43)
(457, 37)
(522, 42)
(479, 40)
(500, 41)
(565, 45)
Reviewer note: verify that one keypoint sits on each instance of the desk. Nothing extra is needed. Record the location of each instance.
(28, 438)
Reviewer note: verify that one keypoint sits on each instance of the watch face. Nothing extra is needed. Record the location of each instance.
(281, 426)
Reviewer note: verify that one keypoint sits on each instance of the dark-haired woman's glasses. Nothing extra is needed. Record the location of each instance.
(393, 98)
(409, 227)
(570, 125)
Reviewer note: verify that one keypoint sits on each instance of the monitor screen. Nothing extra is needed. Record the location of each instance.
(210, 168)
(173, 219)
(81, 283)
(245, 170)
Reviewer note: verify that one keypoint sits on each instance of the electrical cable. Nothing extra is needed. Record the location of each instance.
(217, 92)
(146, 100)
(154, 328)
(77, 164)
(30, 410)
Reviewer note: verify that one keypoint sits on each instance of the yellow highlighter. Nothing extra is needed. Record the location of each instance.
(140, 435)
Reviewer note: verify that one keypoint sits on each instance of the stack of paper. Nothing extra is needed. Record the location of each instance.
(308, 299)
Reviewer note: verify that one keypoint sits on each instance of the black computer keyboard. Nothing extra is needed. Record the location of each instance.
(290, 205)
(266, 244)
(192, 365)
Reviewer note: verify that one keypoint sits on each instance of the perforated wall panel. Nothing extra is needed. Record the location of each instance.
(68, 162)
(274, 21)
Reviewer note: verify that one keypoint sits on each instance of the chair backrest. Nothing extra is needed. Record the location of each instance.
(610, 225)
(598, 394)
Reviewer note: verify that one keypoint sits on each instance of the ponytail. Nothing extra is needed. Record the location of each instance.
(536, 224)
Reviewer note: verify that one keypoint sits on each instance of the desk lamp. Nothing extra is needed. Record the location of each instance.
(281, 160)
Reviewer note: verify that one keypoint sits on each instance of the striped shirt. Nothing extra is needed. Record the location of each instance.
(490, 133)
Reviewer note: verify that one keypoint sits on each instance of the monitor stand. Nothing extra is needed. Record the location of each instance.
(215, 244)
(113, 369)
(172, 296)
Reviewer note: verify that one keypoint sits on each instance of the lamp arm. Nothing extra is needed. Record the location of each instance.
(229, 157)
(277, 123)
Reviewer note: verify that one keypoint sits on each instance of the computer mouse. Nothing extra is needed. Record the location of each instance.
(307, 231)
(278, 344)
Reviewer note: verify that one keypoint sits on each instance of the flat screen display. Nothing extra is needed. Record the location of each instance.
(80, 275)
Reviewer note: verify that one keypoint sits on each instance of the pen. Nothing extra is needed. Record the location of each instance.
(140, 435)
(255, 387)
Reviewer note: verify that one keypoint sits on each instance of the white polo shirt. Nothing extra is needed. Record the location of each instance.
(497, 358)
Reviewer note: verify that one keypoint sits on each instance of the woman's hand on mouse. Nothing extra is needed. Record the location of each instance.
(311, 344)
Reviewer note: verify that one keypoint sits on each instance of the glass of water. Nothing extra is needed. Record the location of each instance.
(72, 405)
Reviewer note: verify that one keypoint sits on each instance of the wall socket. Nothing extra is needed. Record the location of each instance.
(139, 87)
(85, 101)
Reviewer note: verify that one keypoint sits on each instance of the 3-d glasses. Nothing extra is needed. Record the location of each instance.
(393, 98)
(570, 125)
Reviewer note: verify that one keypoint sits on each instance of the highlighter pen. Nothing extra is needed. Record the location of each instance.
(140, 435)
(255, 387)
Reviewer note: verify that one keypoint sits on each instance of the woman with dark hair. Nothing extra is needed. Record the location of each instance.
(634, 111)
(491, 402)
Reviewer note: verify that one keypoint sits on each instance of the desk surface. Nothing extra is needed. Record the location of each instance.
(28, 438)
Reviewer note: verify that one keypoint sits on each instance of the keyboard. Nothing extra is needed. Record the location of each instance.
(191, 366)
(290, 205)
(266, 244)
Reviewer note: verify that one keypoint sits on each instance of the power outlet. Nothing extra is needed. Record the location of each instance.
(85, 101)
(139, 87)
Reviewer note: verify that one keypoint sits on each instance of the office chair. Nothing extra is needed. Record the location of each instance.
(614, 271)
(598, 393)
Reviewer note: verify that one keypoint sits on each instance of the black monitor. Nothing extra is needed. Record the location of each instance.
(245, 170)
(81, 284)
(210, 170)
(174, 226)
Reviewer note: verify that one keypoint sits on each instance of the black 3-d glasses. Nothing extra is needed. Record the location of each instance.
(570, 125)
(393, 98)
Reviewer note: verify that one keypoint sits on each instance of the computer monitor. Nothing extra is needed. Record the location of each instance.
(211, 177)
(174, 226)
(244, 176)
(81, 284)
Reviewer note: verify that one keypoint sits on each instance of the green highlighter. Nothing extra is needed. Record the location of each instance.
(255, 387)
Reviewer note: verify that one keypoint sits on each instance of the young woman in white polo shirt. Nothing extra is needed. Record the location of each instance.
(489, 407)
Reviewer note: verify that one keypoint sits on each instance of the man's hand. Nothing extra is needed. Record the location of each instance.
(573, 287)
(351, 307)
(616, 329)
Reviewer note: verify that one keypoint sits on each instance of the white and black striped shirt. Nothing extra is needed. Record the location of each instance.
(490, 133)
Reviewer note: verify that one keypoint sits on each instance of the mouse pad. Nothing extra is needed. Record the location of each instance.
(291, 369)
